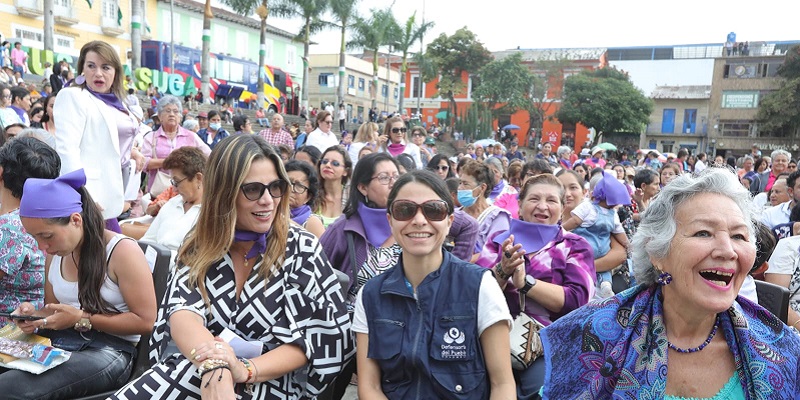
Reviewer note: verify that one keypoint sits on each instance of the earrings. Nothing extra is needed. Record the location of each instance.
(664, 279)
(80, 79)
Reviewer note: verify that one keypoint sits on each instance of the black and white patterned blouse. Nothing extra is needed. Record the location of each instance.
(301, 305)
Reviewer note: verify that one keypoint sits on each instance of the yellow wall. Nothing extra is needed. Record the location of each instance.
(88, 28)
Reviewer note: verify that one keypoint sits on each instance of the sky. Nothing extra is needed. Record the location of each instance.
(506, 24)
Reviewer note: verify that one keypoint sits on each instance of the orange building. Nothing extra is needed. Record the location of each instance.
(569, 62)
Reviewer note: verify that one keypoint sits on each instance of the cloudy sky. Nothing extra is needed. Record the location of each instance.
(506, 24)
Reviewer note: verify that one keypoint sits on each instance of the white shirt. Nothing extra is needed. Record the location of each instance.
(785, 260)
(699, 166)
(492, 307)
(132, 100)
(777, 215)
(172, 224)
(342, 114)
(588, 214)
(321, 140)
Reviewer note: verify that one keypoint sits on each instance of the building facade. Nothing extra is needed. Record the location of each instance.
(679, 119)
(324, 83)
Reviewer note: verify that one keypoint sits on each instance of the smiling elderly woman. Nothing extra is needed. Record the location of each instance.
(683, 332)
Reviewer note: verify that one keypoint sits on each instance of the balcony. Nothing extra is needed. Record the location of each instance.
(65, 15)
(110, 26)
(29, 8)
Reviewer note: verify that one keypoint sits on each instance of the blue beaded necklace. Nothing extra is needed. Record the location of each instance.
(698, 348)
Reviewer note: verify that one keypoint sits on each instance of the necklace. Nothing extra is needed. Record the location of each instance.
(698, 348)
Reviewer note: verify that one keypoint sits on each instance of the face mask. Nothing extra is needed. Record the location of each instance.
(215, 126)
(466, 198)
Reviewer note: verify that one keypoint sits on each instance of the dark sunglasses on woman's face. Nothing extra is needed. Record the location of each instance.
(442, 167)
(433, 210)
(255, 190)
(399, 130)
(335, 163)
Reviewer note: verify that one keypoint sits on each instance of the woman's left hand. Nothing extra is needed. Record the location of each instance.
(219, 349)
(137, 156)
(511, 257)
(64, 316)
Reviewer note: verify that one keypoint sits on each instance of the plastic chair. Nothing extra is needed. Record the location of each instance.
(774, 298)
(159, 257)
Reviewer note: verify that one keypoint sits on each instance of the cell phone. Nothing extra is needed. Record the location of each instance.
(21, 317)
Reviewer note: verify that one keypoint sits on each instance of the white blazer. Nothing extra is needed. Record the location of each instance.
(87, 137)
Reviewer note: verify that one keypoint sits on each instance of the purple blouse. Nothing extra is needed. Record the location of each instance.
(566, 261)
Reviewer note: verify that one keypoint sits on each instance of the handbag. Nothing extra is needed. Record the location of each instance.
(526, 344)
(161, 180)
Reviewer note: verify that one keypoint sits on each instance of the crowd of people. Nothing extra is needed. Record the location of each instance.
(369, 258)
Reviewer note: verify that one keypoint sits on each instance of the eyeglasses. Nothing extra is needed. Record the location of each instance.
(442, 167)
(384, 179)
(416, 134)
(328, 122)
(178, 182)
(299, 188)
(255, 190)
(433, 210)
(334, 163)
(399, 130)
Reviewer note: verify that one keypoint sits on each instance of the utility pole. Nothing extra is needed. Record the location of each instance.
(171, 37)
(420, 83)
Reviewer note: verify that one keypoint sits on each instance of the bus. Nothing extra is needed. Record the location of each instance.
(231, 77)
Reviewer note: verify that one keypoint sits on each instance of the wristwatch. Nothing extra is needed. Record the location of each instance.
(84, 325)
(530, 282)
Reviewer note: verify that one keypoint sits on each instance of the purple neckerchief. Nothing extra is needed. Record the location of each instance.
(395, 149)
(110, 99)
(532, 236)
(300, 214)
(497, 189)
(376, 225)
(20, 112)
(260, 239)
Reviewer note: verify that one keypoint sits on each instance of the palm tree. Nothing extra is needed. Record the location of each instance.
(205, 76)
(411, 33)
(136, 34)
(344, 11)
(246, 7)
(372, 34)
(310, 12)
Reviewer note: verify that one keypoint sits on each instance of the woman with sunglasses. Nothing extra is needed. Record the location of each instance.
(246, 269)
(393, 141)
(418, 136)
(361, 243)
(431, 323)
(304, 186)
(322, 137)
(440, 165)
(553, 269)
(334, 171)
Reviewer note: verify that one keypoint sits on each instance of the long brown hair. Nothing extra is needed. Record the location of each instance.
(212, 236)
(106, 52)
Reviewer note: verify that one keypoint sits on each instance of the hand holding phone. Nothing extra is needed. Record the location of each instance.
(18, 317)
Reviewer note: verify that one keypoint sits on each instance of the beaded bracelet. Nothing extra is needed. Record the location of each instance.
(213, 370)
(207, 365)
(249, 366)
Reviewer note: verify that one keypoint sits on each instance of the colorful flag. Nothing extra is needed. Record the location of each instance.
(119, 16)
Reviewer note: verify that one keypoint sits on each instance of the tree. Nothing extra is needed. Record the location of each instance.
(452, 56)
(507, 83)
(779, 112)
(310, 12)
(410, 34)
(548, 81)
(205, 75)
(344, 11)
(606, 100)
(247, 7)
(372, 34)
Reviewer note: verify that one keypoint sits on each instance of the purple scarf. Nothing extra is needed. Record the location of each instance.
(496, 190)
(260, 239)
(395, 149)
(110, 99)
(376, 225)
(532, 236)
(300, 214)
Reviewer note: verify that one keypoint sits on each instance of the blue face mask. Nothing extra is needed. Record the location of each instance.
(215, 126)
(466, 198)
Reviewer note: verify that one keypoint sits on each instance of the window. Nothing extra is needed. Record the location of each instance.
(396, 92)
(268, 51)
(415, 89)
(243, 41)
(62, 3)
(109, 9)
(326, 79)
(291, 54)
(384, 91)
(668, 121)
(361, 84)
(689, 120)
(195, 25)
(735, 128)
(219, 37)
(351, 81)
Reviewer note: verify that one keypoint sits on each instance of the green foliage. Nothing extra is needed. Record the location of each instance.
(310, 11)
(606, 100)
(779, 112)
(506, 82)
(371, 34)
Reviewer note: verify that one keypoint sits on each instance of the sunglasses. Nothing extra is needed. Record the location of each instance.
(418, 135)
(442, 167)
(399, 130)
(433, 210)
(335, 163)
(255, 190)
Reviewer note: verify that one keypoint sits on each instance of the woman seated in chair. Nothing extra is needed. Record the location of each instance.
(99, 295)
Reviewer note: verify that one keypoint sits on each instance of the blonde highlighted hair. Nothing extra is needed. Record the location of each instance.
(212, 236)
(107, 53)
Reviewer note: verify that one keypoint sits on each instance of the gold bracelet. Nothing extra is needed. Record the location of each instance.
(794, 325)
(210, 364)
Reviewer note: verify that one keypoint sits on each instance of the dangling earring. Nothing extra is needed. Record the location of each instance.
(80, 79)
(664, 278)
(366, 199)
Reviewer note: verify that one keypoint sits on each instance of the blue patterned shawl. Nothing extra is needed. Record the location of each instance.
(617, 348)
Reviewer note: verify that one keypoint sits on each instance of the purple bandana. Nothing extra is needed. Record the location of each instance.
(300, 214)
(496, 190)
(52, 198)
(395, 149)
(110, 99)
(532, 236)
(611, 190)
(260, 239)
(376, 225)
